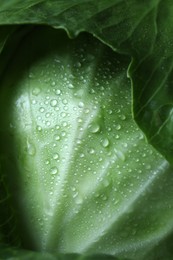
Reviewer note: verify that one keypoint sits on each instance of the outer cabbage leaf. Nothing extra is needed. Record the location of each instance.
(82, 177)
(5, 32)
(15, 254)
(143, 29)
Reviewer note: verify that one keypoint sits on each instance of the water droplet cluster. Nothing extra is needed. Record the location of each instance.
(78, 142)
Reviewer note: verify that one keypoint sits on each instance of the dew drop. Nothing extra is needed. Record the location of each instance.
(48, 123)
(79, 120)
(65, 102)
(36, 91)
(63, 133)
(41, 109)
(47, 114)
(104, 198)
(64, 124)
(118, 127)
(39, 128)
(57, 127)
(105, 142)
(91, 151)
(63, 114)
(123, 117)
(81, 104)
(34, 102)
(47, 162)
(57, 137)
(55, 156)
(53, 83)
(94, 128)
(141, 136)
(58, 92)
(78, 64)
(120, 154)
(106, 183)
(54, 170)
(78, 200)
(87, 111)
(71, 86)
(31, 75)
(53, 102)
(31, 148)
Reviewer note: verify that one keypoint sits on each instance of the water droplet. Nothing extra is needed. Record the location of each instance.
(91, 151)
(63, 133)
(94, 128)
(47, 114)
(63, 114)
(120, 154)
(110, 112)
(48, 123)
(118, 127)
(34, 102)
(36, 91)
(78, 64)
(87, 111)
(58, 92)
(54, 170)
(57, 127)
(122, 117)
(65, 102)
(104, 198)
(141, 136)
(81, 104)
(47, 162)
(78, 199)
(41, 109)
(53, 83)
(106, 183)
(55, 156)
(105, 142)
(30, 148)
(39, 128)
(31, 75)
(64, 124)
(79, 120)
(71, 86)
(53, 102)
(57, 137)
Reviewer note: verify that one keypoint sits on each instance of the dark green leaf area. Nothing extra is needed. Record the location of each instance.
(7, 253)
(152, 79)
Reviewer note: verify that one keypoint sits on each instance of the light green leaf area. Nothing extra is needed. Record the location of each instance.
(82, 176)
(143, 29)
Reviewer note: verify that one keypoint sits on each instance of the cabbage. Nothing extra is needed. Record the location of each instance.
(86, 130)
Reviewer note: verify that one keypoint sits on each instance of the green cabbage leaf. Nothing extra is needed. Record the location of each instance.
(86, 129)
